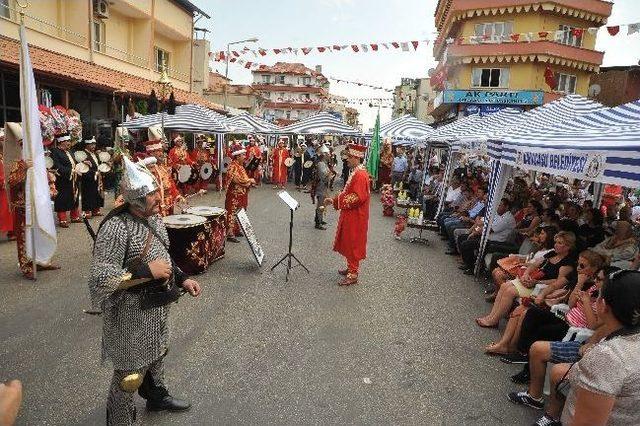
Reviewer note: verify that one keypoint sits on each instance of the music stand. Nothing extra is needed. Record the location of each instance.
(293, 205)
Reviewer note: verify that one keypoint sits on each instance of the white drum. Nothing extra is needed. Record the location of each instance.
(81, 168)
(80, 156)
(205, 211)
(308, 164)
(206, 170)
(104, 168)
(48, 162)
(225, 164)
(184, 173)
(289, 162)
(104, 156)
(183, 220)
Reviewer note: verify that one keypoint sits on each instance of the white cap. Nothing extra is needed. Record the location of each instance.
(90, 141)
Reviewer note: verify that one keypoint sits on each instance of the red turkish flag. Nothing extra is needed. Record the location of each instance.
(543, 34)
(395, 44)
(374, 47)
(236, 54)
(306, 50)
(248, 65)
(355, 47)
(221, 56)
(613, 30)
(336, 47)
(415, 45)
(577, 32)
(262, 52)
(321, 49)
(277, 51)
(550, 78)
(232, 60)
(515, 37)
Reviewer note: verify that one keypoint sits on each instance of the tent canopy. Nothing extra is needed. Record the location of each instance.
(189, 118)
(253, 124)
(454, 131)
(321, 123)
(406, 128)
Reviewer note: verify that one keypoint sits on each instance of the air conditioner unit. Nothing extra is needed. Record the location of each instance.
(101, 9)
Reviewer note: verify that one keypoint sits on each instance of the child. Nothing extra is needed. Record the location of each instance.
(401, 224)
(387, 199)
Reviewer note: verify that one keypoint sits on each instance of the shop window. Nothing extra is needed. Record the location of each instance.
(490, 77)
(566, 83)
(162, 59)
(266, 79)
(495, 31)
(99, 36)
(567, 36)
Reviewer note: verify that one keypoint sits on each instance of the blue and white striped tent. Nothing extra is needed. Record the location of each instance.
(406, 129)
(188, 118)
(478, 130)
(253, 124)
(320, 124)
(454, 131)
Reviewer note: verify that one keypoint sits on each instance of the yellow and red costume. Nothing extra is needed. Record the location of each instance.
(353, 224)
(6, 220)
(17, 179)
(199, 156)
(179, 156)
(279, 175)
(237, 196)
(167, 187)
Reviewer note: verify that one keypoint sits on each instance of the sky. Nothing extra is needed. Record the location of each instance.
(289, 23)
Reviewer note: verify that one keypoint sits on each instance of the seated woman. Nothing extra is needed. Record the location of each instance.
(531, 218)
(509, 266)
(551, 271)
(591, 232)
(589, 263)
(603, 385)
(621, 248)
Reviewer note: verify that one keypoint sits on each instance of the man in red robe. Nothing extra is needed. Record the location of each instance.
(169, 193)
(353, 224)
(237, 196)
(279, 176)
(179, 157)
(254, 159)
(201, 155)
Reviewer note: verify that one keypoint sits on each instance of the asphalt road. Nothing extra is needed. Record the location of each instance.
(399, 348)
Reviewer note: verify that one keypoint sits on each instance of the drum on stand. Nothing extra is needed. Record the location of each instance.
(206, 171)
(184, 173)
(188, 242)
(216, 227)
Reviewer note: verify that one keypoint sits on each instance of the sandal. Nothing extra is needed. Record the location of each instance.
(490, 352)
(485, 325)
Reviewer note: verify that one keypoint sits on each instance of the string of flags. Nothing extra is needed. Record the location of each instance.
(412, 45)
(358, 83)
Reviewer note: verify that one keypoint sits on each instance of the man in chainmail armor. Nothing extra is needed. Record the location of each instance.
(322, 176)
(131, 246)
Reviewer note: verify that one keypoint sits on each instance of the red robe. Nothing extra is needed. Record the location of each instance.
(255, 152)
(177, 157)
(17, 178)
(353, 224)
(237, 196)
(279, 176)
(200, 156)
(6, 221)
(168, 190)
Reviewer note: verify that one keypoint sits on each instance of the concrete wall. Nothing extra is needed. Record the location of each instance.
(617, 86)
(200, 65)
(173, 16)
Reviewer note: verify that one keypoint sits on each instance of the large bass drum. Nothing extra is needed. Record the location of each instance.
(216, 228)
(188, 242)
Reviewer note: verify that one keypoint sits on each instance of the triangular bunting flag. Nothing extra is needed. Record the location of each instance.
(543, 34)
(364, 47)
(405, 46)
(336, 47)
(633, 28)
(232, 59)
(321, 49)
(395, 44)
(613, 30)
(386, 46)
(276, 51)
(374, 47)
(415, 45)
(515, 37)
(248, 65)
(355, 47)
(263, 52)
(577, 32)
(306, 50)
(236, 54)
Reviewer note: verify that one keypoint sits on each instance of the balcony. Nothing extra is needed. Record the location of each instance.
(523, 52)
(293, 105)
(280, 88)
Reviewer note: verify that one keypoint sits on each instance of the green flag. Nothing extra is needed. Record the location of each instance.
(374, 151)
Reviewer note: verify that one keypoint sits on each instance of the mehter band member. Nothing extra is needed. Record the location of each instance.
(167, 188)
(237, 196)
(132, 243)
(321, 178)
(91, 184)
(353, 224)
(66, 182)
(279, 176)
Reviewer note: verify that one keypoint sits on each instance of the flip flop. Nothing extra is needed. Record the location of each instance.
(489, 352)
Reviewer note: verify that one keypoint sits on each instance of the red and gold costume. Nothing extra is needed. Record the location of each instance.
(254, 151)
(279, 176)
(17, 179)
(237, 196)
(167, 187)
(179, 156)
(386, 161)
(6, 220)
(199, 156)
(351, 232)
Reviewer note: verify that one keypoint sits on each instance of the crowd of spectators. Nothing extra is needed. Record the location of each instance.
(562, 277)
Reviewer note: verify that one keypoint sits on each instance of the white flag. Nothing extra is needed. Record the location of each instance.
(39, 213)
(364, 47)
(404, 46)
(633, 28)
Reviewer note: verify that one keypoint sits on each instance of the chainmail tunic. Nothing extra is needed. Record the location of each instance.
(132, 338)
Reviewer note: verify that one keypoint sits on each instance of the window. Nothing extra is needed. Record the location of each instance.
(495, 31)
(307, 96)
(306, 81)
(288, 115)
(162, 59)
(98, 36)
(5, 12)
(490, 77)
(567, 36)
(280, 79)
(566, 83)
(266, 79)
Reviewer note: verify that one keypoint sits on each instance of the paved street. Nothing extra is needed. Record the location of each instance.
(401, 347)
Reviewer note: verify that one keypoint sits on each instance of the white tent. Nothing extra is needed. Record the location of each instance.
(320, 124)
(406, 129)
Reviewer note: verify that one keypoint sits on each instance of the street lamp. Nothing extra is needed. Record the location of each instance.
(165, 88)
(226, 70)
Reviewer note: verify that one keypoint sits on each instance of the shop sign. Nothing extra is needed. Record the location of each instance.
(494, 97)
(584, 165)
